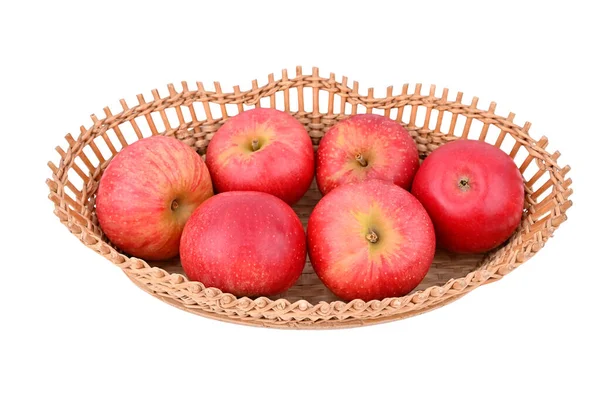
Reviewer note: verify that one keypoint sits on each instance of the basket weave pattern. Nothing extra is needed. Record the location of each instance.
(193, 116)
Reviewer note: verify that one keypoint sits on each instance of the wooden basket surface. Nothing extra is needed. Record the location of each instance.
(193, 116)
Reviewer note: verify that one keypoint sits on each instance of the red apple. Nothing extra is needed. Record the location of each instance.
(474, 194)
(366, 147)
(370, 240)
(262, 150)
(246, 243)
(148, 192)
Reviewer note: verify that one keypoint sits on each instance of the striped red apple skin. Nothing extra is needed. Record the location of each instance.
(370, 240)
(363, 147)
(148, 192)
(262, 150)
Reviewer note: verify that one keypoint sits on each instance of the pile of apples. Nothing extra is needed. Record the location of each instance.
(372, 235)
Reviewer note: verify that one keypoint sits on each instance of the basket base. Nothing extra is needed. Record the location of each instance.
(301, 325)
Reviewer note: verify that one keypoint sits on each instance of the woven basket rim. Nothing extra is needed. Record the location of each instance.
(273, 311)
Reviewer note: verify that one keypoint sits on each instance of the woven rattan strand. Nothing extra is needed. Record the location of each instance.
(194, 115)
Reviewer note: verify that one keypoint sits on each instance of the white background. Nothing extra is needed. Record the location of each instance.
(73, 326)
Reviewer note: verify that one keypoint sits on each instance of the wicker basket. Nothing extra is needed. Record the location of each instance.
(193, 116)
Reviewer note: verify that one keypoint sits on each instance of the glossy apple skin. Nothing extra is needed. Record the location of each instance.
(353, 267)
(385, 146)
(135, 200)
(245, 243)
(481, 216)
(283, 165)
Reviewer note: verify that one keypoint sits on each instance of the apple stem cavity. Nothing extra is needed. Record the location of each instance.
(372, 237)
(463, 184)
(174, 205)
(360, 160)
(255, 145)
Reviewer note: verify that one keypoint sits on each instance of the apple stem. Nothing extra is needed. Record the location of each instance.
(361, 160)
(174, 205)
(372, 237)
(255, 144)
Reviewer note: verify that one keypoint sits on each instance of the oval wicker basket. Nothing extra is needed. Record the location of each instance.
(193, 116)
